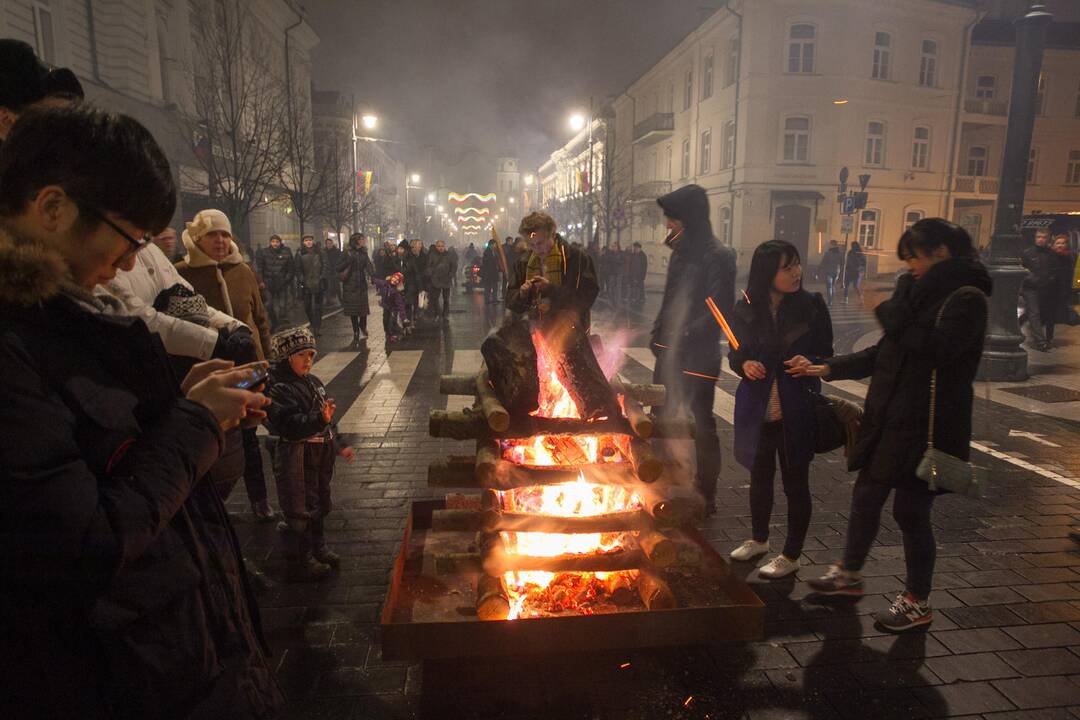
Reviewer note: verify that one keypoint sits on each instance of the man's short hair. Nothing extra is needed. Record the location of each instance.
(25, 79)
(106, 162)
(537, 222)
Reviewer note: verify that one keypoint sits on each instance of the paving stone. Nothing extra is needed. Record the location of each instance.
(1049, 591)
(964, 698)
(985, 616)
(976, 640)
(1039, 692)
(1041, 714)
(971, 667)
(1047, 635)
(1045, 661)
(895, 674)
(1044, 612)
(987, 595)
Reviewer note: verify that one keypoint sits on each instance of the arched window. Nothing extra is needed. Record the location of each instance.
(912, 216)
(802, 39)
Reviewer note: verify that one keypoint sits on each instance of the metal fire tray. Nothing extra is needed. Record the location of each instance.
(431, 616)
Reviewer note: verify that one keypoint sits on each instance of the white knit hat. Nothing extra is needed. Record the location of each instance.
(205, 221)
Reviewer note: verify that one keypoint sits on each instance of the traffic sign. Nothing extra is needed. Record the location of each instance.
(847, 224)
(847, 207)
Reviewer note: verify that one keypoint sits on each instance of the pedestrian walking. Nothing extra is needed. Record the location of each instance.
(829, 270)
(441, 271)
(1054, 303)
(354, 272)
(685, 338)
(332, 256)
(392, 299)
(416, 296)
(216, 270)
(935, 322)
(637, 269)
(854, 270)
(779, 326)
(122, 573)
(1039, 261)
(302, 417)
(310, 266)
(490, 272)
(275, 265)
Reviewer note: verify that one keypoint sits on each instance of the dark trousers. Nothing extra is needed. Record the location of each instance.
(303, 472)
(796, 480)
(359, 323)
(254, 478)
(696, 395)
(830, 288)
(911, 510)
(278, 307)
(390, 322)
(491, 291)
(313, 308)
(853, 279)
(440, 302)
(1033, 314)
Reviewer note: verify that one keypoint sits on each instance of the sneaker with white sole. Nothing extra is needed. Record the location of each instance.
(837, 581)
(906, 613)
(749, 550)
(780, 566)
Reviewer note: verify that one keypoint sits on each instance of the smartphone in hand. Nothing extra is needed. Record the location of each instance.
(258, 376)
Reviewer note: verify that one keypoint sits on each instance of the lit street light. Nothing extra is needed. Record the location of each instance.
(370, 122)
(577, 122)
(431, 197)
(528, 180)
(415, 177)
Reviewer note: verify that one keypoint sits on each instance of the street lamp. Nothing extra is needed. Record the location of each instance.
(370, 122)
(577, 122)
(415, 178)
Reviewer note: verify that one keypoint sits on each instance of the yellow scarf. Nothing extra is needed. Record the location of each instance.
(553, 268)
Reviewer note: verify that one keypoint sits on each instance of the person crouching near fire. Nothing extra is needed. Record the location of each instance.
(303, 420)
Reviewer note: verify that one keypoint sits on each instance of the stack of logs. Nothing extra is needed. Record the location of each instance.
(665, 506)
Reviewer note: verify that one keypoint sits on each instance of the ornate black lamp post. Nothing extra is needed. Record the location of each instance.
(1004, 359)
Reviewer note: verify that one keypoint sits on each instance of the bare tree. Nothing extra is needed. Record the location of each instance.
(612, 199)
(340, 188)
(237, 115)
(299, 177)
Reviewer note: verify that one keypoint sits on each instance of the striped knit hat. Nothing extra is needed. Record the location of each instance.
(293, 340)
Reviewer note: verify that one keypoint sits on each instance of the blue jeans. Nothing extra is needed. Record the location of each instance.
(830, 288)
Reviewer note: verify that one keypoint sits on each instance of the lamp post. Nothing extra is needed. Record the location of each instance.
(370, 122)
(1004, 359)
(415, 180)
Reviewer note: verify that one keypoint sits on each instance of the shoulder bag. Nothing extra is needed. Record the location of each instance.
(939, 469)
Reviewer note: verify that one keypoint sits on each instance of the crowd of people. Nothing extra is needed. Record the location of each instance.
(1046, 290)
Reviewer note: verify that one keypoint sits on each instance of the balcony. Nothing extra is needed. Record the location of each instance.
(654, 128)
(651, 190)
(986, 112)
(976, 185)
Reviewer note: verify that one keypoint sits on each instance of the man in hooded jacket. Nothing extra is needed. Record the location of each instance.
(685, 338)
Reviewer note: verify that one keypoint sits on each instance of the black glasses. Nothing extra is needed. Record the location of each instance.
(136, 245)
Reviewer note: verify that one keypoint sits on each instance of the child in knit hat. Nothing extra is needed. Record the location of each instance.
(302, 418)
(392, 299)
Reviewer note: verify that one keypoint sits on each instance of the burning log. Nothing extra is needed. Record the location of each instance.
(578, 370)
(457, 384)
(492, 520)
(622, 559)
(511, 361)
(621, 587)
(498, 419)
(673, 505)
(659, 548)
(461, 501)
(492, 598)
(471, 425)
(489, 471)
(648, 467)
(655, 592)
(448, 473)
(639, 421)
(646, 394)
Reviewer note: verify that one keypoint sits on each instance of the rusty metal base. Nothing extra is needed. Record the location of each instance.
(431, 616)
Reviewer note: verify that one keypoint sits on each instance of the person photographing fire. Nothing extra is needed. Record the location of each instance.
(555, 281)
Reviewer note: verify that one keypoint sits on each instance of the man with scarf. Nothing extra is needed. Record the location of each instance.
(685, 338)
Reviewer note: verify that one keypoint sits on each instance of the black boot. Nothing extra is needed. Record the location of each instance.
(300, 565)
(318, 545)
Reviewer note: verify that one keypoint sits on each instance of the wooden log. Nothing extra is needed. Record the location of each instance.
(471, 425)
(641, 422)
(621, 587)
(499, 474)
(492, 598)
(646, 394)
(458, 563)
(647, 465)
(688, 553)
(498, 419)
(673, 505)
(495, 520)
(594, 562)
(463, 501)
(579, 371)
(511, 362)
(457, 384)
(659, 548)
(655, 592)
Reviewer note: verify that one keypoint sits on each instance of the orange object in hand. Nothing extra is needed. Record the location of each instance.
(722, 322)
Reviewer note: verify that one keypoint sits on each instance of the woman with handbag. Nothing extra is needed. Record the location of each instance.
(779, 326)
(923, 368)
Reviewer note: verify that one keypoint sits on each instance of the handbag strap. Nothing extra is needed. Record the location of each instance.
(933, 373)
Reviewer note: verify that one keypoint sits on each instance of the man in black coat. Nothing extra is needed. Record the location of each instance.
(275, 268)
(685, 338)
(332, 257)
(1039, 261)
(490, 272)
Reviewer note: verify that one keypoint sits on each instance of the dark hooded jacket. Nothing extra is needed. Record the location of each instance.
(576, 294)
(893, 435)
(124, 592)
(275, 267)
(685, 337)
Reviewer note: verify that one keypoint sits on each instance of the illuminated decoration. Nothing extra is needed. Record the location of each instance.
(471, 218)
(472, 227)
(364, 181)
(478, 211)
(482, 199)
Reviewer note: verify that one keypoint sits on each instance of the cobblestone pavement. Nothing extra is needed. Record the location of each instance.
(1005, 642)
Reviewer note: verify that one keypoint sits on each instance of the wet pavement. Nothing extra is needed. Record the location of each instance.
(1005, 642)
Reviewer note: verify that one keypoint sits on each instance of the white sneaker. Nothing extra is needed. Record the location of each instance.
(780, 566)
(749, 550)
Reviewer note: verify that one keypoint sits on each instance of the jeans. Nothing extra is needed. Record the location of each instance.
(278, 307)
(855, 279)
(440, 302)
(1034, 317)
(254, 478)
(830, 288)
(796, 479)
(911, 510)
(313, 307)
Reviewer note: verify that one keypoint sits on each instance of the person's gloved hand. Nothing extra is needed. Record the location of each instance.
(238, 346)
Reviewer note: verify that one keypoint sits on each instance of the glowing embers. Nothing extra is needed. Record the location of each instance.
(567, 450)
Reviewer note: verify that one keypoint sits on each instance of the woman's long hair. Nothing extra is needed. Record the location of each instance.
(931, 233)
(768, 258)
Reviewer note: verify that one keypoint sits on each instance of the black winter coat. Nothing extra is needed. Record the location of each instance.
(489, 265)
(275, 268)
(576, 295)
(124, 591)
(1039, 262)
(296, 411)
(893, 435)
(685, 336)
(332, 257)
(355, 270)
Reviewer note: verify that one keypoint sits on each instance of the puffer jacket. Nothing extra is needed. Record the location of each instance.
(441, 268)
(124, 593)
(275, 268)
(309, 264)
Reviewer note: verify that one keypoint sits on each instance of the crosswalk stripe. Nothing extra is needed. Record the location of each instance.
(723, 401)
(331, 364)
(374, 408)
(465, 362)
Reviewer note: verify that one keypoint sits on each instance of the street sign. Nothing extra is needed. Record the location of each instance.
(847, 224)
(847, 207)
(843, 175)
(860, 200)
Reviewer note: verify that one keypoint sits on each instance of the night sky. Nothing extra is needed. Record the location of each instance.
(464, 81)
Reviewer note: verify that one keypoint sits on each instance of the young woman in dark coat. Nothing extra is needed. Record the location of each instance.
(779, 326)
(895, 426)
(355, 271)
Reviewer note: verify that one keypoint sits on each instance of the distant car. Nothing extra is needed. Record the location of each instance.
(472, 276)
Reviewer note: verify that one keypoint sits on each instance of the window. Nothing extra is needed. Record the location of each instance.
(928, 64)
(685, 158)
(707, 77)
(731, 68)
(976, 164)
(1072, 172)
(1040, 95)
(688, 89)
(911, 217)
(1032, 166)
(43, 32)
(920, 148)
(724, 225)
(801, 48)
(880, 70)
(705, 160)
(985, 87)
(868, 228)
(875, 143)
(727, 140)
(797, 139)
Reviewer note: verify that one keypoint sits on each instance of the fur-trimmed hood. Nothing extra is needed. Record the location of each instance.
(29, 271)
